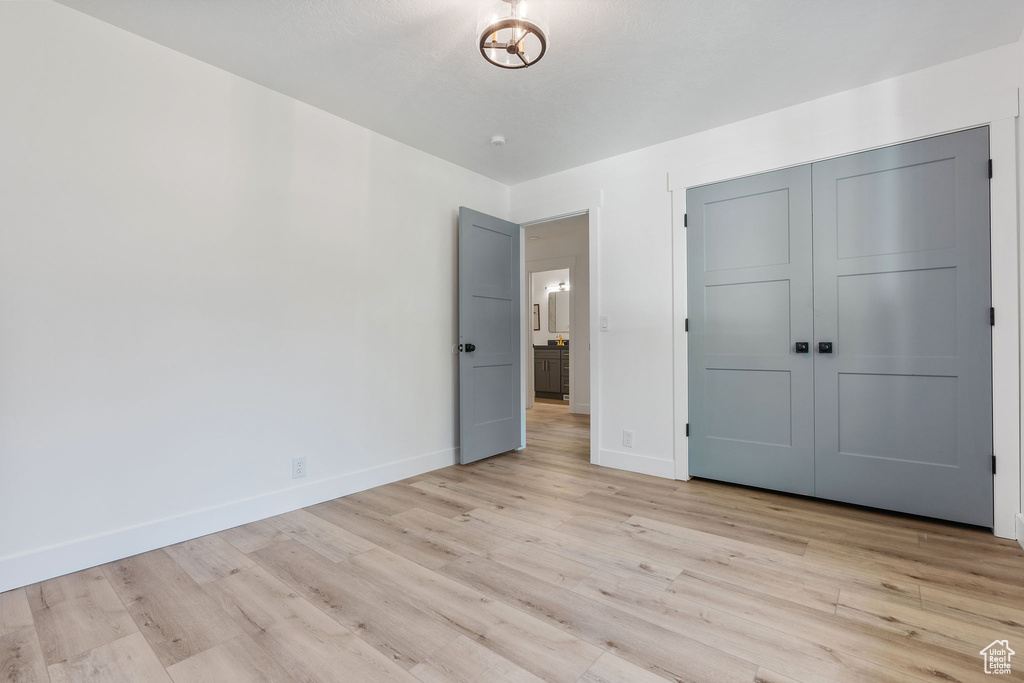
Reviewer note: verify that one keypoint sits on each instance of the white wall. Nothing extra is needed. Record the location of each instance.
(541, 281)
(635, 289)
(199, 280)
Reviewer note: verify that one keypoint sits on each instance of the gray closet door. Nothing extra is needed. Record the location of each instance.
(490, 366)
(749, 300)
(901, 289)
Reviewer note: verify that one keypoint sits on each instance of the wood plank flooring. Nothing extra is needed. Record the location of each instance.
(536, 566)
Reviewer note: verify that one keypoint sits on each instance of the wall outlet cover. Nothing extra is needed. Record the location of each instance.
(627, 438)
(298, 468)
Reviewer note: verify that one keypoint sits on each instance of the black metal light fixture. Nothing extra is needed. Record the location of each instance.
(510, 39)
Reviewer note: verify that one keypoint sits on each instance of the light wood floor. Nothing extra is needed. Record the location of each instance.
(536, 565)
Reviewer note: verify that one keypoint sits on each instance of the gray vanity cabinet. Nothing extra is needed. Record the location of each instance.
(551, 371)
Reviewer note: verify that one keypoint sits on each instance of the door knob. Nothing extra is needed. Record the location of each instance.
(824, 347)
(803, 347)
(470, 348)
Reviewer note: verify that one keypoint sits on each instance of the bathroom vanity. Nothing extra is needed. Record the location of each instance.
(551, 370)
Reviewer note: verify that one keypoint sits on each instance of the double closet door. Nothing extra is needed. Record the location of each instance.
(840, 333)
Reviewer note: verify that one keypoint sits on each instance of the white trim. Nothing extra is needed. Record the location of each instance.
(525, 288)
(57, 560)
(643, 464)
(539, 266)
(567, 205)
(1006, 332)
(872, 132)
(551, 219)
(997, 112)
(680, 377)
(529, 371)
(1020, 529)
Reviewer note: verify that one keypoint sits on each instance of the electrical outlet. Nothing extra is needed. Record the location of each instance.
(627, 438)
(298, 468)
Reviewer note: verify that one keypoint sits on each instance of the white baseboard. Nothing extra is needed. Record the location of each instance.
(583, 409)
(45, 563)
(643, 464)
(1020, 530)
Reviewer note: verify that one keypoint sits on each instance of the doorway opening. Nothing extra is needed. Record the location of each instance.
(556, 258)
(496, 390)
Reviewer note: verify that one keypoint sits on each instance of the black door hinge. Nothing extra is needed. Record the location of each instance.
(684, 220)
(686, 325)
(993, 464)
(687, 428)
(989, 168)
(992, 317)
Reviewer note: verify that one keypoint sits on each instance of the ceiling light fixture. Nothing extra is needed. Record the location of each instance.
(509, 39)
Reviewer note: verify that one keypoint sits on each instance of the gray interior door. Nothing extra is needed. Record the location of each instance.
(490, 407)
(751, 404)
(902, 291)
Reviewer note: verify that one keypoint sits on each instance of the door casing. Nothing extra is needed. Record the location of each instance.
(564, 206)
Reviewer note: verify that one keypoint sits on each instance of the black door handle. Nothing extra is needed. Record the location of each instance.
(803, 347)
(824, 347)
(470, 348)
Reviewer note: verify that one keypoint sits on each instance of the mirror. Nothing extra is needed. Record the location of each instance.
(558, 311)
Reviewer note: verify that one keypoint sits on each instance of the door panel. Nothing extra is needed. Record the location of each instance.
(540, 377)
(490, 407)
(548, 372)
(901, 288)
(748, 318)
(750, 394)
(877, 311)
(898, 417)
(749, 406)
(554, 372)
(897, 210)
(727, 226)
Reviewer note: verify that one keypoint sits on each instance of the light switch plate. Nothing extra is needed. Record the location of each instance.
(605, 323)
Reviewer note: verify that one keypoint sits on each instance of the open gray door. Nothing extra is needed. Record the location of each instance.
(903, 393)
(490, 367)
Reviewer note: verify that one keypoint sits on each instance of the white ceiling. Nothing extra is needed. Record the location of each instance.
(619, 74)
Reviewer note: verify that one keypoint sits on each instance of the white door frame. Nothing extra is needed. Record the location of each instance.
(564, 207)
(999, 112)
(541, 266)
